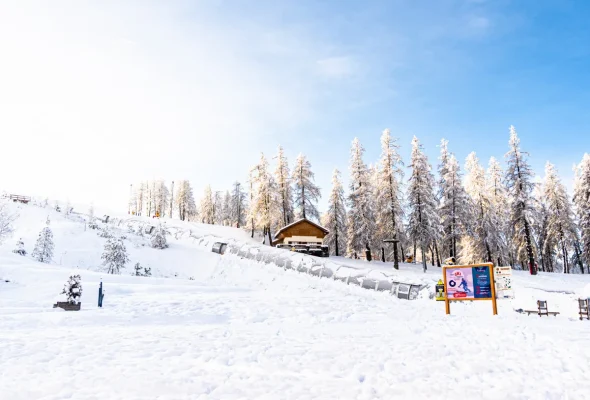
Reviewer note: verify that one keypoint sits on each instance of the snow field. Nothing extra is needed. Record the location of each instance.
(249, 330)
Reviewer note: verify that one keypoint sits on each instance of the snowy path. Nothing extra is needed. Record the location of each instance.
(253, 332)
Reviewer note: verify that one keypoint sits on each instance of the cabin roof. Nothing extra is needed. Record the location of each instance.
(297, 223)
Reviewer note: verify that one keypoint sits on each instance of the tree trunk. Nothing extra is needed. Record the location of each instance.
(336, 243)
(424, 266)
(432, 254)
(437, 255)
(383, 254)
(414, 251)
(529, 248)
(368, 253)
(395, 256)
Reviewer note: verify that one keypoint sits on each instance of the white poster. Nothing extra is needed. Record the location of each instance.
(503, 278)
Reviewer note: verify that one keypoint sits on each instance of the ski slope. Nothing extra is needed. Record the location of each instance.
(243, 329)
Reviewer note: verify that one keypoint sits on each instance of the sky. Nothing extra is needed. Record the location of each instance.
(97, 95)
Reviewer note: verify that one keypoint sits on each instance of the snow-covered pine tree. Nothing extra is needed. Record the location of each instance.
(251, 212)
(161, 198)
(185, 201)
(335, 217)
(171, 206)
(361, 214)
(486, 233)
(582, 203)
(226, 210)
(158, 240)
(544, 243)
(237, 210)
(208, 206)
(115, 255)
(443, 165)
(307, 193)
(500, 211)
(389, 210)
(283, 180)
(73, 289)
(561, 229)
(519, 183)
(265, 207)
(140, 196)
(43, 251)
(20, 247)
(423, 219)
(455, 210)
(218, 208)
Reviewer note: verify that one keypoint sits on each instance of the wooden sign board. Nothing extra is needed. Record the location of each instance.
(469, 282)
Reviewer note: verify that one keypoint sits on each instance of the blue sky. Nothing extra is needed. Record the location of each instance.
(114, 92)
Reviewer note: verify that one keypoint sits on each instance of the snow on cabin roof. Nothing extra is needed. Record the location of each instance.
(299, 221)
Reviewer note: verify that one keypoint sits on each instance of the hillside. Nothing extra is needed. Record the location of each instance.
(248, 329)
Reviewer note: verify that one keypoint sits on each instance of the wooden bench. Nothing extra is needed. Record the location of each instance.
(541, 309)
(583, 306)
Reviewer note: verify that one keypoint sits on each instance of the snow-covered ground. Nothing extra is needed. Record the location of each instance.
(243, 329)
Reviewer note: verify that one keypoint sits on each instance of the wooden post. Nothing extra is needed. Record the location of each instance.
(493, 283)
(447, 302)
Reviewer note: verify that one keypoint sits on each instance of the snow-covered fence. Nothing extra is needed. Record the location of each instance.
(324, 268)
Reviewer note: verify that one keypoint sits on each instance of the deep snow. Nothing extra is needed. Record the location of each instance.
(248, 330)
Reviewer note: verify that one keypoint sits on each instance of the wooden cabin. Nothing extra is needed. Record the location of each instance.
(303, 232)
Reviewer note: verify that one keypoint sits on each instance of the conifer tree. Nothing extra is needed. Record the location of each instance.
(582, 203)
(208, 206)
(560, 224)
(185, 201)
(158, 240)
(265, 205)
(283, 181)
(115, 255)
(307, 193)
(238, 206)
(361, 215)
(485, 228)
(519, 182)
(455, 208)
(389, 210)
(43, 251)
(226, 209)
(423, 219)
(335, 217)
(500, 211)
(20, 247)
(217, 208)
(73, 289)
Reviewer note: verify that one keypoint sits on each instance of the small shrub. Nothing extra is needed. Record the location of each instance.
(73, 289)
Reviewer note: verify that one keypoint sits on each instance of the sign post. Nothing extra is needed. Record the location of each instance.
(469, 282)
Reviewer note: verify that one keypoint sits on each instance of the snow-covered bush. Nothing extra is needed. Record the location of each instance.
(43, 251)
(115, 255)
(6, 220)
(105, 233)
(73, 289)
(159, 239)
(139, 271)
(20, 248)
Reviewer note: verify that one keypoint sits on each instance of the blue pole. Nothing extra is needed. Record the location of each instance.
(100, 295)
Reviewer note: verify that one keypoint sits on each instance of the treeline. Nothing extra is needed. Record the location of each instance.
(499, 214)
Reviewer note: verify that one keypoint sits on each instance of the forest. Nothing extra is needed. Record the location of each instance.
(501, 214)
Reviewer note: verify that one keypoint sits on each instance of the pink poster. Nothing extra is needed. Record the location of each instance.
(459, 283)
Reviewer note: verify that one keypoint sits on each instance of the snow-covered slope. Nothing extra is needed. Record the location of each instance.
(249, 330)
